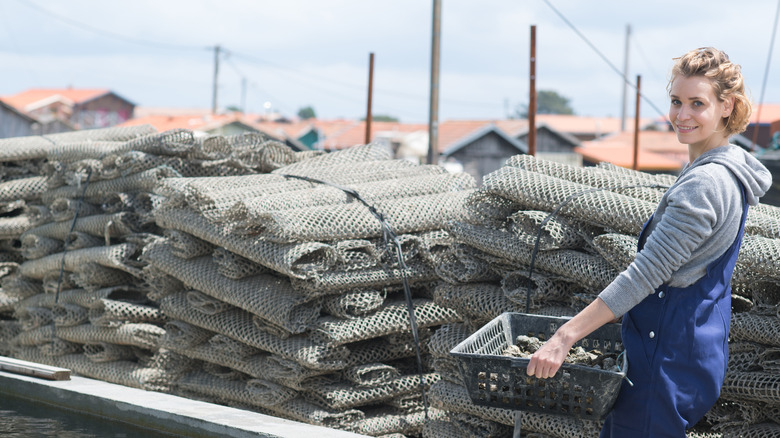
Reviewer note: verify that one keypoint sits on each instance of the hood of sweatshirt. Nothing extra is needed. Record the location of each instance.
(754, 176)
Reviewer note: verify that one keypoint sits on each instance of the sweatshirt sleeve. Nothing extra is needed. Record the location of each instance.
(693, 207)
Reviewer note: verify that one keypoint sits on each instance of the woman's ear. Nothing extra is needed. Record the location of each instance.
(728, 106)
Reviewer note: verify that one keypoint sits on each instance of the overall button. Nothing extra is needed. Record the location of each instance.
(651, 334)
(661, 294)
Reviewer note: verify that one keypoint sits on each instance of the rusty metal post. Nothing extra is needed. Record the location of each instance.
(370, 93)
(636, 122)
(433, 120)
(532, 97)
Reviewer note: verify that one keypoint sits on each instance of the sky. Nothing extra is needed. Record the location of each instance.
(281, 56)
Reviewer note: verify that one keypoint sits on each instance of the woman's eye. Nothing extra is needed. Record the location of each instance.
(675, 101)
(697, 103)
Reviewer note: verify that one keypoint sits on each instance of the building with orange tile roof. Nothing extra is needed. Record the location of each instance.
(765, 118)
(658, 152)
(82, 108)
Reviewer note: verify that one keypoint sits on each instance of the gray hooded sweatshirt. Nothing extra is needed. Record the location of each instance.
(696, 221)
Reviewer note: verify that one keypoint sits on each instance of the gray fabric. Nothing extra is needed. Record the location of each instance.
(695, 222)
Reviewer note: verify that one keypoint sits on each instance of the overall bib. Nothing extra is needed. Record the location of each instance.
(676, 342)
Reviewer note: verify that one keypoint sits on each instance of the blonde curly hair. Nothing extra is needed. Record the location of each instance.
(726, 79)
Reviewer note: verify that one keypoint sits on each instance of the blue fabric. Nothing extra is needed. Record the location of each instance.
(676, 342)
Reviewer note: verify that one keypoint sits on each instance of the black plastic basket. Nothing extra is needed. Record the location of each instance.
(500, 381)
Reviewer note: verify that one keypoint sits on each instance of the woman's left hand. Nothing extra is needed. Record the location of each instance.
(549, 358)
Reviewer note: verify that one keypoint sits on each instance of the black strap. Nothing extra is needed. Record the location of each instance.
(389, 237)
(555, 213)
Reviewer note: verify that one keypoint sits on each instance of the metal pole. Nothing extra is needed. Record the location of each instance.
(243, 95)
(625, 82)
(763, 84)
(433, 120)
(532, 97)
(636, 122)
(216, 74)
(370, 92)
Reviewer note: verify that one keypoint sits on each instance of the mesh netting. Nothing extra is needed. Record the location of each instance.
(232, 265)
(370, 374)
(252, 392)
(115, 256)
(334, 282)
(479, 302)
(111, 313)
(239, 325)
(344, 395)
(101, 225)
(120, 372)
(248, 216)
(390, 424)
(94, 192)
(105, 352)
(391, 318)
(186, 246)
(550, 232)
(454, 399)
(352, 304)
(29, 148)
(133, 334)
(588, 270)
(269, 297)
(355, 221)
(63, 209)
(593, 206)
(68, 315)
(757, 328)
(754, 386)
(23, 188)
(728, 414)
(299, 260)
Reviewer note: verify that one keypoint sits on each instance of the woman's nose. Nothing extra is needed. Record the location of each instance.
(682, 114)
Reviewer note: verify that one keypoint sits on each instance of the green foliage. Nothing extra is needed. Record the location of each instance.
(382, 118)
(547, 102)
(306, 113)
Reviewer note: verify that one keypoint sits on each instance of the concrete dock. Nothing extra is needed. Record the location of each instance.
(157, 411)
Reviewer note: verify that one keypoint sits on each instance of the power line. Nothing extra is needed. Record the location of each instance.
(766, 73)
(124, 38)
(598, 52)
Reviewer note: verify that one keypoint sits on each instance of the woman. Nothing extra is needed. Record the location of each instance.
(675, 297)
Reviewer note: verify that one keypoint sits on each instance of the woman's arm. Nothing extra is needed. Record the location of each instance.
(548, 359)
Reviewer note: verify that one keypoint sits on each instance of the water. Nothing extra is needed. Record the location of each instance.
(23, 419)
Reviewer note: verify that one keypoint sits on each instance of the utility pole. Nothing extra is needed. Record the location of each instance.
(243, 95)
(625, 81)
(433, 120)
(216, 74)
(636, 122)
(370, 93)
(532, 96)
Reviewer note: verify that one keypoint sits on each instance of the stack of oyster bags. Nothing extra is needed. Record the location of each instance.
(546, 238)
(292, 284)
(77, 212)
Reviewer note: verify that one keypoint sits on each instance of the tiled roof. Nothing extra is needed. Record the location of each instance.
(658, 151)
(769, 113)
(27, 100)
(598, 126)
(193, 122)
(340, 134)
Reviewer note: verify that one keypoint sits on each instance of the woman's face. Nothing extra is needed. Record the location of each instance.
(697, 114)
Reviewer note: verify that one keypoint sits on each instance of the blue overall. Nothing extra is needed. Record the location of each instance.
(676, 342)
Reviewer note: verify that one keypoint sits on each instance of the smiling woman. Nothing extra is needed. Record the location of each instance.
(675, 296)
